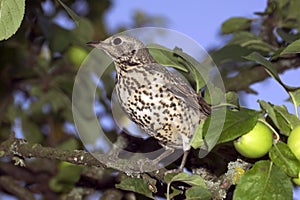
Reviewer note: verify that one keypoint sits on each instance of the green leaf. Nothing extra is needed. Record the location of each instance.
(169, 176)
(294, 47)
(287, 36)
(272, 71)
(213, 95)
(31, 130)
(212, 129)
(72, 14)
(291, 120)
(197, 193)
(179, 60)
(284, 126)
(257, 45)
(276, 54)
(199, 71)
(295, 96)
(283, 157)
(60, 40)
(66, 177)
(135, 185)
(70, 144)
(165, 56)
(12, 112)
(55, 98)
(175, 192)
(281, 3)
(11, 16)
(232, 98)
(249, 41)
(237, 123)
(197, 140)
(227, 53)
(83, 32)
(193, 180)
(268, 108)
(242, 37)
(267, 64)
(236, 24)
(280, 116)
(293, 11)
(264, 181)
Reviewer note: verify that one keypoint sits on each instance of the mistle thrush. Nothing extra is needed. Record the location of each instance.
(160, 102)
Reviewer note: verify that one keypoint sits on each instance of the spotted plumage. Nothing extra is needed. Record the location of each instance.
(163, 104)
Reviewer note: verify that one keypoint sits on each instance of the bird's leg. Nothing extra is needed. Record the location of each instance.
(183, 161)
(170, 151)
(186, 148)
(182, 164)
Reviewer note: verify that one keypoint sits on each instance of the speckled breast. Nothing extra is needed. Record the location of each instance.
(147, 100)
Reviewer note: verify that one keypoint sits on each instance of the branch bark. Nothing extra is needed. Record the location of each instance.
(14, 147)
(18, 149)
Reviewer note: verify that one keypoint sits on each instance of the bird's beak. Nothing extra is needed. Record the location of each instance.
(99, 45)
(93, 43)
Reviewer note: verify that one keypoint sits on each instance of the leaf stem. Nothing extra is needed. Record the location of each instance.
(224, 105)
(272, 129)
(295, 105)
(168, 191)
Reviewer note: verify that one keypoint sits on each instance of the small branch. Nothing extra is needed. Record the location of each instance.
(268, 25)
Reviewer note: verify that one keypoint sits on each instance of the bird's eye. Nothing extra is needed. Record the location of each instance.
(117, 41)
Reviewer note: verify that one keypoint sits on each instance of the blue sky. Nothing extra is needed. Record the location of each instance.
(201, 20)
(195, 18)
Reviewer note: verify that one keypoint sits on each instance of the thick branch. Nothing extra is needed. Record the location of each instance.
(19, 147)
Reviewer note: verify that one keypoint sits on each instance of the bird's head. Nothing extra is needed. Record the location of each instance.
(120, 46)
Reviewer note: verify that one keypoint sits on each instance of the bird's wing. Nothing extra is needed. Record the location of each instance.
(181, 88)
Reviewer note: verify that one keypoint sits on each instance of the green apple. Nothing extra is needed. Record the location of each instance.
(256, 143)
(297, 180)
(77, 55)
(294, 141)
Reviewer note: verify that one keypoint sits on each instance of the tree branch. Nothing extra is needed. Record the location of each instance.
(20, 148)
(12, 186)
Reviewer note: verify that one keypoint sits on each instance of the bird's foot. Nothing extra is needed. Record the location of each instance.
(177, 171)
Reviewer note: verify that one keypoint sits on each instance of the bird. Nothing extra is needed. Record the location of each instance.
(158, 100)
